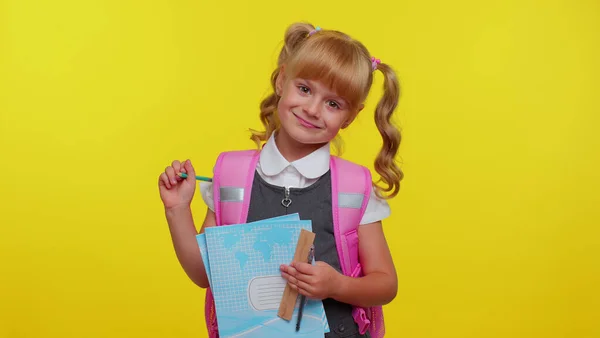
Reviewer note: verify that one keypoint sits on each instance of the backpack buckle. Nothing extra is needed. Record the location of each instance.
(360, 317)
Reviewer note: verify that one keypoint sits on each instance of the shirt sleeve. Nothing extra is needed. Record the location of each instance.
(206, 189)
(377, 209)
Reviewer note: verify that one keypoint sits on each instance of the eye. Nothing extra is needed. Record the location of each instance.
(304, 89)
(333, 104)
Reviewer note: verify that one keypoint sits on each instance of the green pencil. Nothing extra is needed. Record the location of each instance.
(199, 178)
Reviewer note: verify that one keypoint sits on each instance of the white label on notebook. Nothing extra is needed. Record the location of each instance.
(265, 292)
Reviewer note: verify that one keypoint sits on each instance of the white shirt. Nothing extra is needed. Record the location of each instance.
(276, 170)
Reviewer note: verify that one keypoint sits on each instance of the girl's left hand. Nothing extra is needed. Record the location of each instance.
(317, 281)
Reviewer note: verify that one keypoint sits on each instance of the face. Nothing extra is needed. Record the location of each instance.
(309, 112)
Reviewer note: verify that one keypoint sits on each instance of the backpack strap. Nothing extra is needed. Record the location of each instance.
(232, 185)
(351, 190)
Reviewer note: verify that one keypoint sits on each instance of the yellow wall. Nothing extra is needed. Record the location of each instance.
(495, 232)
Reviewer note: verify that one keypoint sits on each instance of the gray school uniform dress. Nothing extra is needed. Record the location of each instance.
(311, 203)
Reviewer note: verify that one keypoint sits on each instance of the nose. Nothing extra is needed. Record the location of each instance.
(312, 108)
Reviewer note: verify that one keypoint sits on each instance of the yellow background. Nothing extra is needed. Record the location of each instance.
(495, 232)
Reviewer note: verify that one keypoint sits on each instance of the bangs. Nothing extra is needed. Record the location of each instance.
(337, 63)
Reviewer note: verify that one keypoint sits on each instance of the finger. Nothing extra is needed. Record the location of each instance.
(171, 175)
(190, 171)
(306, 293)
(176, 166)
(164, 180)
(293, 286)
(305, 286)
(304, 268)
(288, 269)
(290, 279)
(304, 277)
(302, 291)
(297, 274)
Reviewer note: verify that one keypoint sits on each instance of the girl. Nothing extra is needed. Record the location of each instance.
(322, 79)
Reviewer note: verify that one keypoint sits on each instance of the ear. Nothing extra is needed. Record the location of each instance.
(351, 119)
(279, 83)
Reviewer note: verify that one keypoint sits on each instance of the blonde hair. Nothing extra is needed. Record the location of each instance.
(344, 65)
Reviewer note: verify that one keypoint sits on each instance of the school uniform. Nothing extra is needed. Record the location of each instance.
(309, 184)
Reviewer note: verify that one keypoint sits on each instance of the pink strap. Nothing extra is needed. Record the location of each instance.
(233, 169)
(346, 220)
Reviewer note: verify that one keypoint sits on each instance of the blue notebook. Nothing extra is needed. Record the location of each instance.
(242, 264)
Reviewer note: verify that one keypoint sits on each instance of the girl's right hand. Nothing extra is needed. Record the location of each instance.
(176, 191)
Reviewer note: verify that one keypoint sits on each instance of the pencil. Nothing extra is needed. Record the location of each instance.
(302, 297)
(199, 178)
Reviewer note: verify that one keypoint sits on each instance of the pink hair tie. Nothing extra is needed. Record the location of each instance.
(374, 63)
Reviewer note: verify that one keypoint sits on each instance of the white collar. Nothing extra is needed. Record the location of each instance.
(313, 165)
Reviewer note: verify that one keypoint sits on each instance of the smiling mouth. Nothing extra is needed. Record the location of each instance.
(305, 123)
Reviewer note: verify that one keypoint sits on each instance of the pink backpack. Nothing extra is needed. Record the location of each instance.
(350, 192)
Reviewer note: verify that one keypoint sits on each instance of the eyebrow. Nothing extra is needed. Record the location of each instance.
(335, 96)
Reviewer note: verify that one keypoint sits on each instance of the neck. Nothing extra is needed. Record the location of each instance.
(291, 149)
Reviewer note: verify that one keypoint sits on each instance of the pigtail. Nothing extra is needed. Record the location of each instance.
(385, 164)
(295, 35)
(267, 115)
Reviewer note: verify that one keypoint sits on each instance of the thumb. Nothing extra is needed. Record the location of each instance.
(189, 168)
